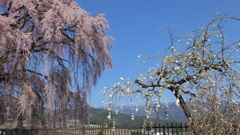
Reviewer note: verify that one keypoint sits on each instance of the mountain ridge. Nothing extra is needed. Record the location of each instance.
(171, 113)
(99, 117)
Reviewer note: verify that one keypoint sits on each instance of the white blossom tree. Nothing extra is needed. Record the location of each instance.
(51, 53)
(202, 71)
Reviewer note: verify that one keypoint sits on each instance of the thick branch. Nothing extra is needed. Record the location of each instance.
(176, 93)
(147, 85)
(188, 92)
(34, 72)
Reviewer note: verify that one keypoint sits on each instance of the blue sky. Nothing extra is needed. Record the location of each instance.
(135, 24)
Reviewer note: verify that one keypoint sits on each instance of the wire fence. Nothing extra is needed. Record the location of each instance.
(156, 129)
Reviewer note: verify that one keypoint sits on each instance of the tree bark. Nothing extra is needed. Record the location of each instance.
(183, 104)
(20, 121)
(43, 122)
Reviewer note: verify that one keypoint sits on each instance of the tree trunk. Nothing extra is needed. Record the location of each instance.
(42, 116)
(20, 121)
(183, 105)
(34, 117)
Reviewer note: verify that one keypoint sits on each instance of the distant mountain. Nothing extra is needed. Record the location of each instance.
(172, 113)
(99, 117)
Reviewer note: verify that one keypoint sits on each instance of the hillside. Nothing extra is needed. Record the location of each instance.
(175, 113)
(99, 117)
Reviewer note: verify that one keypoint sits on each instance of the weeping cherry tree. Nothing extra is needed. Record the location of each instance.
(51, 53)
(202, 71)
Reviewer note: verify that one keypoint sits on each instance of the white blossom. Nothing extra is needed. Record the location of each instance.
(132, 117)
(136, 109)
(109, 117)
(177, 68)
(177, 102)
(121, 78)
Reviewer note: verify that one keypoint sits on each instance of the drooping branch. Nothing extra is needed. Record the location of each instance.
(147, 85)
(43, 49)
(36, 73)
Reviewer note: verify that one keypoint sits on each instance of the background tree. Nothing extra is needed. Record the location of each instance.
(201, 69)
(51, 53)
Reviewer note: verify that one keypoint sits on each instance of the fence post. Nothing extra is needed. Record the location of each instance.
(155, 128)
(159, 127)
(181, 126)
(177, 128)
(140, 129)
(83, 131)
(167, 128)
(164, 131)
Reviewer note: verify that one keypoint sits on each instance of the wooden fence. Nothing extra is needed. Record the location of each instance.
(156, 129)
